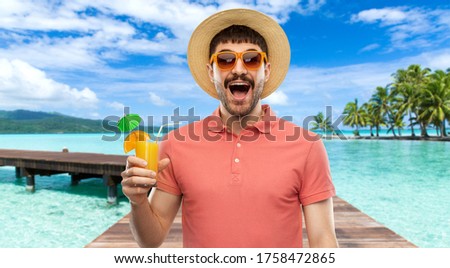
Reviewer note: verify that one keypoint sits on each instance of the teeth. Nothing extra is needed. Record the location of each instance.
(239, 84)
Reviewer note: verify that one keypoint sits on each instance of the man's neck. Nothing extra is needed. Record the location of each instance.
(237, 123)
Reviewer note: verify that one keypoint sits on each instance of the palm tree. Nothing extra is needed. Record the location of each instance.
(423, 97)
(322, 124)
(408, 84)
(386, 102)
(406, 91)
(447, 90)
(355, 116)
(368, 107)
(376, 117)
(380, 102)
(435, 103)
(396, 121)
(417, 79)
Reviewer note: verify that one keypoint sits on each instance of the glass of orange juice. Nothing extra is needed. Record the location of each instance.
(148, 150)
(145, 147)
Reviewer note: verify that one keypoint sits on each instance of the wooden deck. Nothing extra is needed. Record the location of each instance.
(78, 165)
(354, 229)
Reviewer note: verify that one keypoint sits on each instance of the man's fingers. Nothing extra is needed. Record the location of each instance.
(139, 182)
(138, 171)
(137, 175)
(133, 161)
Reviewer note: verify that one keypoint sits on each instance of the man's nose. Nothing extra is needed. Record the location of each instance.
(239, 68)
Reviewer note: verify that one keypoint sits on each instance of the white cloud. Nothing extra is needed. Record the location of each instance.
(83, 40)
(369, 48)
(321, 83)
(48, 16)
(81, 34)
(278, 98)
(175, 59)
(312, 89)
(116, 105)
(408, 27)
(24, 86)
(435, 60)
(280, 10)
(54, 54)
(158, 100)
(386, 16)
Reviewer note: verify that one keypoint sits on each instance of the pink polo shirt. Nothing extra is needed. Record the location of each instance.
(246, 190)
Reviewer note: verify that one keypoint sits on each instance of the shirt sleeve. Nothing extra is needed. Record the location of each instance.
(316, 182)
(166, 179)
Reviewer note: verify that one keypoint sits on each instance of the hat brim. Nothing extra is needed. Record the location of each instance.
(270, 30)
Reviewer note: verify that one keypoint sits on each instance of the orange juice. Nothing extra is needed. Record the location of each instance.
(148, 150)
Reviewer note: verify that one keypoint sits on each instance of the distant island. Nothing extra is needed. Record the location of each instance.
(29, 122)
(416, 94)
(38, 122)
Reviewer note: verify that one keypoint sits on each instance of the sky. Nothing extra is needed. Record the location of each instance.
(96, 59)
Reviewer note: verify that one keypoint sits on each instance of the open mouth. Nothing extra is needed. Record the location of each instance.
(239, 90)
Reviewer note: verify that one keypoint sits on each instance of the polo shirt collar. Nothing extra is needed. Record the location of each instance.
(267, 122)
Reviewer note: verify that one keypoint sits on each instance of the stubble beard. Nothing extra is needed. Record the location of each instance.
(240, 110)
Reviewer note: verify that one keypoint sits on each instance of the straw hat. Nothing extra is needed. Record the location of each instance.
(276, 39)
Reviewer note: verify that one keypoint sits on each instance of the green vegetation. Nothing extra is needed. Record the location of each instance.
(22, 121)
(31, 122)
(418, 94)
(322, 124)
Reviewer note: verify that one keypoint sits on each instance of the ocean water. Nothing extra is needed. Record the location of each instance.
(56, 215)
(404, 185)
(93, 143)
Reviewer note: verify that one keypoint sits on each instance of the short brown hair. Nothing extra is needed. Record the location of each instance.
(238, 34)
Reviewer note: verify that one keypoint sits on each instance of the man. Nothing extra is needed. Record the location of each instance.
(242, 175)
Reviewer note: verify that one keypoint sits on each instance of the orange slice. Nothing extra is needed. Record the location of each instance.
(130, 141)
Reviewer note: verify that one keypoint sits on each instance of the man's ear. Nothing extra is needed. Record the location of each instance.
(210, 72)
(267, 72)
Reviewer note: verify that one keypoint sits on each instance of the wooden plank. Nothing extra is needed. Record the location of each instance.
(354, 229)
(87, 163)
(80, 165)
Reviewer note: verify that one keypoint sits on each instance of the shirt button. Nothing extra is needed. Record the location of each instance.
(236, 160)
(238, 145)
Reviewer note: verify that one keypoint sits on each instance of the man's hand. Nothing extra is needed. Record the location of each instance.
(137, 179)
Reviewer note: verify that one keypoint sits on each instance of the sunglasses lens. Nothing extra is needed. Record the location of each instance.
(226, 60)
(252, 59)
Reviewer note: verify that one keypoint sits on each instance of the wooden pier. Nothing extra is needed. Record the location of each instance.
(78, 165)
(354, 229)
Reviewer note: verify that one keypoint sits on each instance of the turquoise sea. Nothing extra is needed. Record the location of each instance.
(404, 185)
